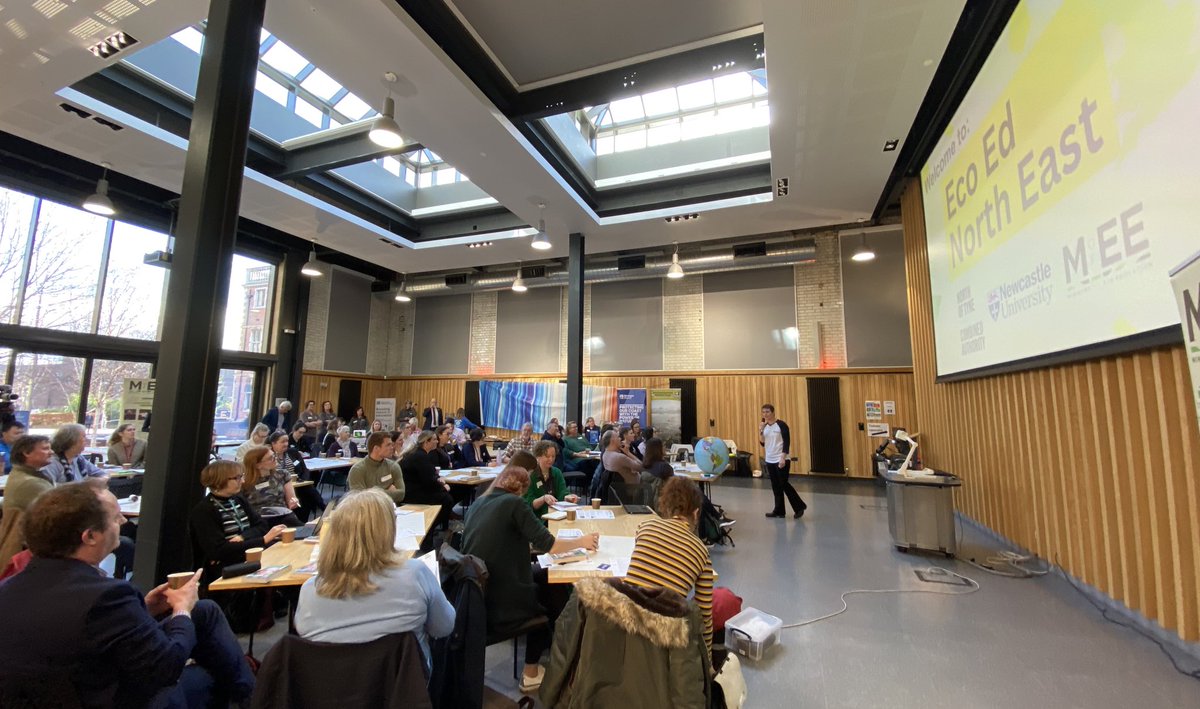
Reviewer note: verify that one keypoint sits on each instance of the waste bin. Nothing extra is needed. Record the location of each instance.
(921, 511)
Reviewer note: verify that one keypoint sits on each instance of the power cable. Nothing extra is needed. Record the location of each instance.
(931, 571)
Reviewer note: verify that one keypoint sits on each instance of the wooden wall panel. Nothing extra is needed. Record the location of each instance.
(1093, 465)
(731, 400)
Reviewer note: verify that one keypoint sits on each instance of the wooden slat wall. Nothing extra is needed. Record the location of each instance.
(1094, 465)
(731, 399)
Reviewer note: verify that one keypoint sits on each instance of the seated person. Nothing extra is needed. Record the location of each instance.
(553, 433)
(378, 469)
(125, 448)
(359, 422)
(640, 444)
(461, 421)
(667, 552)
(25, 483)
(408, 437)
(224, 524)
(68, 464)
(258, 437)
(10, 430)
(618, 459)
(500, 529)
(66, 623)
(522, 442)
(341, 446)
(475, 452)
(292, 462)
(328, 435)
(655, 469)
(363, 590)
(442, 451)
(575, 447)
(591, 431)
(546, 483)
(630, 438)
(376, 426)
(267, 487)
(422, 484)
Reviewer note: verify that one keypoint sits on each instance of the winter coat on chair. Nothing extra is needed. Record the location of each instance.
(620, 646)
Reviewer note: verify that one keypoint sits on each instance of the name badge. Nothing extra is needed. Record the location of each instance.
(385, 478)
(262, 486)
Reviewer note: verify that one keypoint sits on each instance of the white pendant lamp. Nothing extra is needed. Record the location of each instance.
(99, 203)
(402, 295)
(863, 252)
(385, 132)
(675, 270)
(541, 240)
(518, 285)
(311, 267)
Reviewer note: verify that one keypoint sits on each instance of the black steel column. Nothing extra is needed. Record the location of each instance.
(575, 330)
(189, 360)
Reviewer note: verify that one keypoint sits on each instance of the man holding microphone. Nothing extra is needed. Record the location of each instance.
(776, 440)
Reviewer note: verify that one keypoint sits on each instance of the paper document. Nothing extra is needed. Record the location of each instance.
(595, 514)
(410, 524)
(564, 506)
(570, 533)
(430, 561)
(406, 542)
(555, 516)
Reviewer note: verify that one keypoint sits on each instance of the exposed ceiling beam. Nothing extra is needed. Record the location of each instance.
(340, 148)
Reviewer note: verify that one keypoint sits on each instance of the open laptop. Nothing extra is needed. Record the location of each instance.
(631, 509)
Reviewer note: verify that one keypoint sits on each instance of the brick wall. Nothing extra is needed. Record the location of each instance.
(683, 324)
(819, 306)
(316, 328)
(378, 333)
(482, 357)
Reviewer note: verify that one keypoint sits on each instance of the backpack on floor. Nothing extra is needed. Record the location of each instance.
(710, 530)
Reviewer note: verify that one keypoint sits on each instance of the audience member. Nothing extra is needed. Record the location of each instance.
(655, 464)
(434, 416)
(408, 412)
(291, 462)
(522, 442)
(668, 553)
(363, 590)
(408, 438)
(25, 483)
(591, 431)
(618, 459)
(329, 435)
(378, 469)
(125, 448)
(67, 624)
(575, 447)
(553, 433)
(326, 418)
(279, 418)
(546, 483)
(501, 529)
(12, 429)
(422, 484)
(341, 446)
(640, 444)
(461, 420)
(376, 426)
(475, 452)
(360, 422)
(309, 416)
(68, 464)
(224, 524)
(268, 488)
(258, 437)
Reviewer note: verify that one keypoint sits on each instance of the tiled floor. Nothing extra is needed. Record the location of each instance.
(1015, 643)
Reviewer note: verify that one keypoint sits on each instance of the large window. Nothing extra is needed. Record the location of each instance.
(49, 387)
(133, 291)
(248, 308)
(16, 214)
(104, 395)
(64, 272)
(235, 400)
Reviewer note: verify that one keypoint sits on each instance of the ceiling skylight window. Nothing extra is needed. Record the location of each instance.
(661, 103)
(353, 107)
(191, 38)
(309, 112)
(271, 89)
(627, 110)
(321, 85)
(284, 58)
(695, 95)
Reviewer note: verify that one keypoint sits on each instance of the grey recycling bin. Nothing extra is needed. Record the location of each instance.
(921, 511)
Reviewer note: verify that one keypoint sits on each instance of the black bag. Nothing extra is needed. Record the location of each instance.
(709, 529)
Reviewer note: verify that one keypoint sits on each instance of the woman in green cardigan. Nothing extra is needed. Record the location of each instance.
(546, 482)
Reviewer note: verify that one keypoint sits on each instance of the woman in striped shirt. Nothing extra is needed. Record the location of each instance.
(223, 524)
(667, 552)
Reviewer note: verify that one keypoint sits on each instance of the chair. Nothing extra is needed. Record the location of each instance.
(676, 447)
(577, 481)
(387, 672)
(334, 479)
(515, 634)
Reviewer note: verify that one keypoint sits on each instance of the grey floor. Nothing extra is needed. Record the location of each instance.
(1015, 643)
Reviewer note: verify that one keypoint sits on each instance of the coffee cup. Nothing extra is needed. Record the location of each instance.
(179, 580)
(289, 535)
(254, 554)
(571, 515)
(474, 472)
(596, 503)
(126, 466)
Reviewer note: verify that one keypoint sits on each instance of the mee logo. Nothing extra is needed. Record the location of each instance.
(1021, 294)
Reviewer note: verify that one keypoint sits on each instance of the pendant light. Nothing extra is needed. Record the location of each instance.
(518, 285)
(385, 132)
(402, 295)
(541, 240)
(863, 253)
(99, 203)
(311, 268)
(675, 270)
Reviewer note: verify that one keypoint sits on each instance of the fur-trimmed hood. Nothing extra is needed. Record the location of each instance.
(659, 615)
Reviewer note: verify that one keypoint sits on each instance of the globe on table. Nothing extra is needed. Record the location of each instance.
(712, 455)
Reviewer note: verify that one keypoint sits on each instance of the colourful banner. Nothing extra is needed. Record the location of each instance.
(1186, 280)
(631, 404)
(509, 405)
(666, 414)
(137, 401)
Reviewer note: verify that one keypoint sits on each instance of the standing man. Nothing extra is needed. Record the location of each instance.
(10, 431)
(434, 416)
(776, 440)
(408, 412)
(279, 418)
(378, 469)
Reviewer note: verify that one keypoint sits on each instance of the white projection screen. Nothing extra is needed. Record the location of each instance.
(1067, 185)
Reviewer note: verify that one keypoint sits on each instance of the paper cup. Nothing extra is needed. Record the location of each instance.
(474, 472)
(179, 580)
(289, 535)
(254, 554)
(571, 515)
(596, 503)
(126, 466)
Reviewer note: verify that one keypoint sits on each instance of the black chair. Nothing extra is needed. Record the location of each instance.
(38, 692)
(515, 634)
(577, 482)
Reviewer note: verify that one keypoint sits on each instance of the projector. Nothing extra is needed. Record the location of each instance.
(162, 259)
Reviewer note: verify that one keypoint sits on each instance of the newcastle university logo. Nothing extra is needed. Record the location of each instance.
(1021, 294)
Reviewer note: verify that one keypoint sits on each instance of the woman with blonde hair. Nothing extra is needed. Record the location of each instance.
(364, 589)
(258, 437)
(125, 448)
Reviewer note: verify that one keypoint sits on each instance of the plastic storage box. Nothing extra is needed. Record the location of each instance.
(751, 632)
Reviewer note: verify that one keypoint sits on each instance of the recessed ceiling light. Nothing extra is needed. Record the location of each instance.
(681, 218)
(890, 145)
(479, 244)
(927, 62)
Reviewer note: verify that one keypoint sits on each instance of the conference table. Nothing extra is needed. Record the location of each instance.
(300, 553)
(112, 473)
(692, 472)
(320, 465)
(616, 543)
(470, 480)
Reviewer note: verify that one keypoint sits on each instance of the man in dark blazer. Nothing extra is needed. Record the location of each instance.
(71, 630)
(279, 418)
(434, 416)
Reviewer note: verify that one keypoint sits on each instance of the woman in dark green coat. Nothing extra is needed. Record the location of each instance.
(500, 529)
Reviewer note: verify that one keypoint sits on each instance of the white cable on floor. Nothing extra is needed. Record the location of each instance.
(932, 570)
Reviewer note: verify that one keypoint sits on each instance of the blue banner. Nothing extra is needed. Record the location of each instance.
(510, 405)
(631, 404)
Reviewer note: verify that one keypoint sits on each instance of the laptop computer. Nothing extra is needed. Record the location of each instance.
(631, 509)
